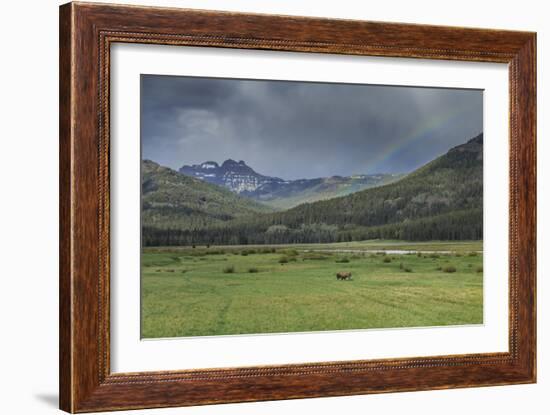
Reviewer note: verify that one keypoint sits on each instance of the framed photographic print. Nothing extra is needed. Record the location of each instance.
(260, 207)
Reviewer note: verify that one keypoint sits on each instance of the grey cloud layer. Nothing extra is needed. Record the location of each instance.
(298, 130)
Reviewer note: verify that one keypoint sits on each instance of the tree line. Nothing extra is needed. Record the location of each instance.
(457, 225)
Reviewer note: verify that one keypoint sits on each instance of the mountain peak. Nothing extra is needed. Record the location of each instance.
(474, 147)
(231, 162)
(234, 175)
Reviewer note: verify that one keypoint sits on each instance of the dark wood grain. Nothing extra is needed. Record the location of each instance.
(65, 246)
(86, 33)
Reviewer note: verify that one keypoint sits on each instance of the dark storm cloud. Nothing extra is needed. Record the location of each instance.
(303, 130)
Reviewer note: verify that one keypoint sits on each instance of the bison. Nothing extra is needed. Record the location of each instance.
(343, 275)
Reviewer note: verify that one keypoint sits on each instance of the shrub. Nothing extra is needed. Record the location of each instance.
(252, 270)
(419, 254)
(283, 260)
(472, 254)
(183, 271)
(434, 256)
(449, 268)
(408, 269)
(230, 269)
(244, 253)
(169, 270)
(458, 254)
(479, 269)
(439, 268)
(401, 265)
(343, 260)
(386, 260)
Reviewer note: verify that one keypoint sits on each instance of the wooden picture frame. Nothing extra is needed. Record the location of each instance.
(86, 33)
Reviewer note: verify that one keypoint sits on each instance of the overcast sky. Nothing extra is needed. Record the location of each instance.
(300, 129)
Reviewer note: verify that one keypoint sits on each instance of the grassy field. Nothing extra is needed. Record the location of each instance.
(242, 290)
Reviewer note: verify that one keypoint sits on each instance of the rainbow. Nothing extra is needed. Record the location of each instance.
(419, 133)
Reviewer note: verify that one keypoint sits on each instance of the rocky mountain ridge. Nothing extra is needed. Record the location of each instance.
(240, 178)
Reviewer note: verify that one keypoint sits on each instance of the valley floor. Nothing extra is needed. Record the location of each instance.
(274, 289)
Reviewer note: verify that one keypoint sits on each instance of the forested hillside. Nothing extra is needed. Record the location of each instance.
(442, 200)
(172, 200)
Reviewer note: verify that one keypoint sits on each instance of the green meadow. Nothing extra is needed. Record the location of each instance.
(274, 289)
